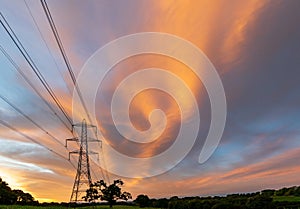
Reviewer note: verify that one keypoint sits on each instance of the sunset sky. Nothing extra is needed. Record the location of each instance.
(254, 46)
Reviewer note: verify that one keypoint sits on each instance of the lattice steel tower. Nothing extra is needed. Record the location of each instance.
(83, 176)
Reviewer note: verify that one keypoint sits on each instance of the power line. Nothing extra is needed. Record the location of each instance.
(104, 174)
(31, 120)
(64, 55)
(27, 57)
(19, 110)
(104, 164)
(28, 118)
(67, 62)
(35, 141)
(31, 63)
(48, 48)
(17, 68)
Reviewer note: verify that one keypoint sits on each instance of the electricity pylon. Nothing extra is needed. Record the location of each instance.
(83, 178)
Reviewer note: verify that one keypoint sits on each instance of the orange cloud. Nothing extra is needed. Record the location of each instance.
(275, 172)
(216, 27)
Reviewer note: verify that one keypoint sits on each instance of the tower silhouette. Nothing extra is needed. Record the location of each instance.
(83, 177)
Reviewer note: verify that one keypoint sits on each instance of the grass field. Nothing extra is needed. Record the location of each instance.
(286, 198)
(61, 207)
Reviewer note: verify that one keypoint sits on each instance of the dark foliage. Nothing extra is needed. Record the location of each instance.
(110, 193)
(9, 196)
(142, 200)
(257, 200)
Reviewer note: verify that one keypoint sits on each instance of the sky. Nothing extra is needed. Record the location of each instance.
(253, 45)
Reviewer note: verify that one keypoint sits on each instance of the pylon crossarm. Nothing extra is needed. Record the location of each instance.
(73, 152)
(93, 153)
(87, 125)
(91, 126)
(90, 139)
(71, 139)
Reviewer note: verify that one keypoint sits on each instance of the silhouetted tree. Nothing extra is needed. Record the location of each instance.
(161, 203)
(9, 196)
(6, 194)
(23, 198)
(110, 193)
(142, 200)
(92, 194)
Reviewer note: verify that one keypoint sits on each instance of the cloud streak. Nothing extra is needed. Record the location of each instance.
(254, 46)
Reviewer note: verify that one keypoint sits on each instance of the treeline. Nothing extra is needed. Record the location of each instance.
(10, 196)
(257, 200)
(285, 198)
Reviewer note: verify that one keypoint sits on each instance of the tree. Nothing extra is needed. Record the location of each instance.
(142, 200)
(268, 192)
(281, 192)
(161, 203)
(6, 194)
(112, 193)
(9, 196)
(92, 194)
(297, 191)
(23, 198)
(260, 201)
